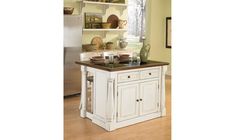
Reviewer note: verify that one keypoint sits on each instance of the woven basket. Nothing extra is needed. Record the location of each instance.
(68, 10)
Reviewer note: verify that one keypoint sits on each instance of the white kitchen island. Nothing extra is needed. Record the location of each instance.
(115, 96)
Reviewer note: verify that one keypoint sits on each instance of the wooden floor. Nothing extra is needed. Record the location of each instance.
(77, 128)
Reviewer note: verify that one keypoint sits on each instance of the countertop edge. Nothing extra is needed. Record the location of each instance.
(154, 64)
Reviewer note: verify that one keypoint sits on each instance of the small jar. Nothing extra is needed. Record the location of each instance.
(123, 43)
(138, 60)
(109, 45)
(111, 58)
(134, 57)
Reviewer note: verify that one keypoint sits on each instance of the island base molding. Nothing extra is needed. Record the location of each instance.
(114, 126)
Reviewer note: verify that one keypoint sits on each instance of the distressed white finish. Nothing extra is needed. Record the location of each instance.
(83, 96)
(100, 84)
(127, 106)
(163, 94)
(121, 101)
(129, 76)
(149, 94)
(149, 73)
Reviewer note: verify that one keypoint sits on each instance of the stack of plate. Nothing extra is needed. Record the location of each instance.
(124, 58)
(97, 60)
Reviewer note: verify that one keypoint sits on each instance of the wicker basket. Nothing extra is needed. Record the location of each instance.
(88, 47)
(68, 10)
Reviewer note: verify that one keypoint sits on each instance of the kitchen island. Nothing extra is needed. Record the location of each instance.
(118, 95)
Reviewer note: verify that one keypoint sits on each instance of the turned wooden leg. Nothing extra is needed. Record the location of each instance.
(163, 95)
(83, 94)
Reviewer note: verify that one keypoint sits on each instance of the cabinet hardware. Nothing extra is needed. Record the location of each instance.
(150, 73)
(140, 99)
(128, 76)
(137, 100)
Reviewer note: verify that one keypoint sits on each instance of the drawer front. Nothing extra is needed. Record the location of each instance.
(126, 77)
(153, 73)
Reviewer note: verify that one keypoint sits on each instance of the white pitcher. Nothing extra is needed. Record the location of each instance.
(122, 24)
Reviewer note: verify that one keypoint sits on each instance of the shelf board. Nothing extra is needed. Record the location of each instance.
(103, 3)
(71, 15)
(94, 30)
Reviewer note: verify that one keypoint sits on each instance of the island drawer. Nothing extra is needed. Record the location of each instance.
(129, 76)
(152, 73)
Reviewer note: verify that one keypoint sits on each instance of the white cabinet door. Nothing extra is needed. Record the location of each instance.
(128, 105)
(149, 97)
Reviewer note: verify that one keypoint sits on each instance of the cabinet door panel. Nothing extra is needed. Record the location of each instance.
(127, 104)
(100, 94)
(149, 96)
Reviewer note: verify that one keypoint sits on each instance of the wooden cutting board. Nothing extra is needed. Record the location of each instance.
(98, 42)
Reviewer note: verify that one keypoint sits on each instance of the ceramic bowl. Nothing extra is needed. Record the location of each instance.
(106, 25)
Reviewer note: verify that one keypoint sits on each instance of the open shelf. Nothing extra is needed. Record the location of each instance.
(94, 30)
(68, 15)
(103, 3)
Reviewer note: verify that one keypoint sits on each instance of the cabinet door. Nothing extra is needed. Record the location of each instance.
(149, 97)
(128, 106)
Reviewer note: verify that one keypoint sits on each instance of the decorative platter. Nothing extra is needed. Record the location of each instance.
(113, 19)
(97, 41)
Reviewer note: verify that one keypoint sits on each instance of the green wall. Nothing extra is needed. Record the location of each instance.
(157, 11)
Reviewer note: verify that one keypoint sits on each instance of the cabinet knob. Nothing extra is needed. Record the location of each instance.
(128, 76)
(150, 73)
(137, 100)
(140, 99)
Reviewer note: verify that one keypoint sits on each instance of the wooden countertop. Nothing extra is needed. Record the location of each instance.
(121, 66)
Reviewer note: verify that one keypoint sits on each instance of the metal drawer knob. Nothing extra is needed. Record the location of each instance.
(137, 100)
(140, 99)
(150, 73)
(129, 77)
